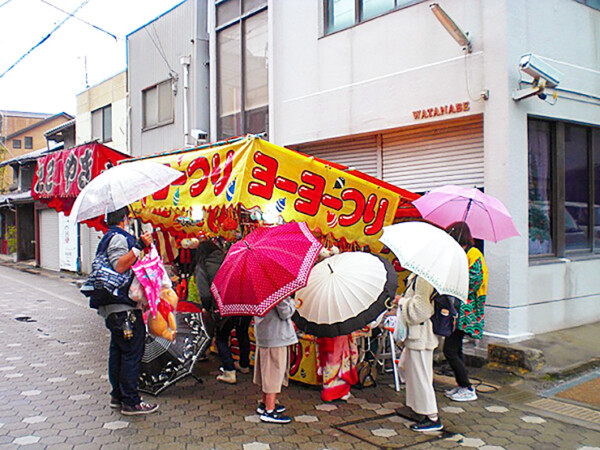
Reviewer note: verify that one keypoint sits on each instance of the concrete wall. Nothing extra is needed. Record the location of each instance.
(565, 292)
(372, 76)
(112, 91)
(178, 33)
(369, 77)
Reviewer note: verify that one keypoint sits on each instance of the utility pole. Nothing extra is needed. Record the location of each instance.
(87, 85)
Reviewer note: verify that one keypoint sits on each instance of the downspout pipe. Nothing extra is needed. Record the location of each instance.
(185, 62)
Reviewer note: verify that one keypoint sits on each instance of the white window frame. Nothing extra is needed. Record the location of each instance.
(159, 123)
(101, 135)
(358, 13)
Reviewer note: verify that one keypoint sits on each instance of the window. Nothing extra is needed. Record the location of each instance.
(16, 143)
(27, 172)
(564, 188)
(591, 3)
(242, 67)
(157, 104)
(340, 14)
(102, 124)
(28, 142)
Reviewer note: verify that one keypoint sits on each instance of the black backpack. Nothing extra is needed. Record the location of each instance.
(445, 314)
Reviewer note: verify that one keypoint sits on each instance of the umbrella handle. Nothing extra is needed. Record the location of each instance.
(464, 221)
(134, 216)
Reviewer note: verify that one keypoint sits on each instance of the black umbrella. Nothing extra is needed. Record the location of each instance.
(165, 362)
(344, 293)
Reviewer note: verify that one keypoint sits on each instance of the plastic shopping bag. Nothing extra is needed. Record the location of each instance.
(150, 272)
(400, 327)
(137, 293)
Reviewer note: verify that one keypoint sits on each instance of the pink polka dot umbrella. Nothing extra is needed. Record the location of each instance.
(264, 268)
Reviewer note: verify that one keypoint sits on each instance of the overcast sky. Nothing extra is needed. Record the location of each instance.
(49, 78)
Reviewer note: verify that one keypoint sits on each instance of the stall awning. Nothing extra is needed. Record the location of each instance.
(60, 176)
(276, 184)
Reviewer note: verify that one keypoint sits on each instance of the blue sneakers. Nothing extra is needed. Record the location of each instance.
(427, 425)
(262, 409)
(274, 417)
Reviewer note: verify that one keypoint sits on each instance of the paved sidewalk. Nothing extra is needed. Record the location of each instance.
(567, 350)
(54, 394)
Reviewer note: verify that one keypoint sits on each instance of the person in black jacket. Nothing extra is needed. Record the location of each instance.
(209, 257)
(123, 318)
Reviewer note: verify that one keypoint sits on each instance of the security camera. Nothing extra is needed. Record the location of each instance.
(543, 74)
(538, 69)
(199, 135)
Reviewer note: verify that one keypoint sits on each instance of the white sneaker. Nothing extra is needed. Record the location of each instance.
(464, 395)
(451, 392)
(228, 376)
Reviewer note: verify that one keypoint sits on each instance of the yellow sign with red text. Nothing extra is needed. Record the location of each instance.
(279, 184)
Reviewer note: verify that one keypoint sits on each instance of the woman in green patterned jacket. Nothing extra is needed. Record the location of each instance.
(470, 317)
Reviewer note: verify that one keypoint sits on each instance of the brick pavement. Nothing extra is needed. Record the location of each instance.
(54, 394)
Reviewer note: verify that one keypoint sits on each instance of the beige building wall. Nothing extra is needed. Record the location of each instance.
(15, 123)
(112, 91)
(39, 141)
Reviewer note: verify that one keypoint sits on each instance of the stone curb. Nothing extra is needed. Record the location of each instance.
(515, 357)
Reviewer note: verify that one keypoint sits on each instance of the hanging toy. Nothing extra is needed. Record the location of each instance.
(230, 224)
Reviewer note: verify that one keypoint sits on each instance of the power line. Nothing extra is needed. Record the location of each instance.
(159, 43)
(6, 2)
(81, 20)
(160, 51)
(60, 24)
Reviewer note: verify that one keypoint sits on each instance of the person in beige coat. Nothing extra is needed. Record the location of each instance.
(417, 356)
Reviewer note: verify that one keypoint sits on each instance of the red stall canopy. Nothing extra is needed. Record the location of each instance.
(60, 176)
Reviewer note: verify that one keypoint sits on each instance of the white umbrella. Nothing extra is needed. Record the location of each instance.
(120, 186)
(430, 253)
(345, 293)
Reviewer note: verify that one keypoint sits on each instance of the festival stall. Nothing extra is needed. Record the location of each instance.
(232, 187)
(60, 176)
(58, 179)
(228, 186)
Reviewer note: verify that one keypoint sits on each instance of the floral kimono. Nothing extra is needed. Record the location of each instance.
(471, 315)
(338, 357)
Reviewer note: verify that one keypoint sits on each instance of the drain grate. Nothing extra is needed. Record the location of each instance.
(566, 409)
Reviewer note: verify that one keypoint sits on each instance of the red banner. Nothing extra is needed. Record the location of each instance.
(60, 176)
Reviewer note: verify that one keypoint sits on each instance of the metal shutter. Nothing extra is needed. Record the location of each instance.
(358, 152)
(425, 157)
(89, 243)
(49, 236)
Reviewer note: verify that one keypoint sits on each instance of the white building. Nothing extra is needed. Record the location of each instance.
(380, 85)
(167, 79)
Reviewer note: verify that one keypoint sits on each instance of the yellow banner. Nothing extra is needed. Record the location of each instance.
(275, 185)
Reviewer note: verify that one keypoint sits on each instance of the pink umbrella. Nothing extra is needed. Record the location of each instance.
(150, 272)
(485, 215)
(264, 268)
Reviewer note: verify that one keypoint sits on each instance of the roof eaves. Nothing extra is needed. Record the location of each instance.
(38, 124)
(31, 156)
(61, 127)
